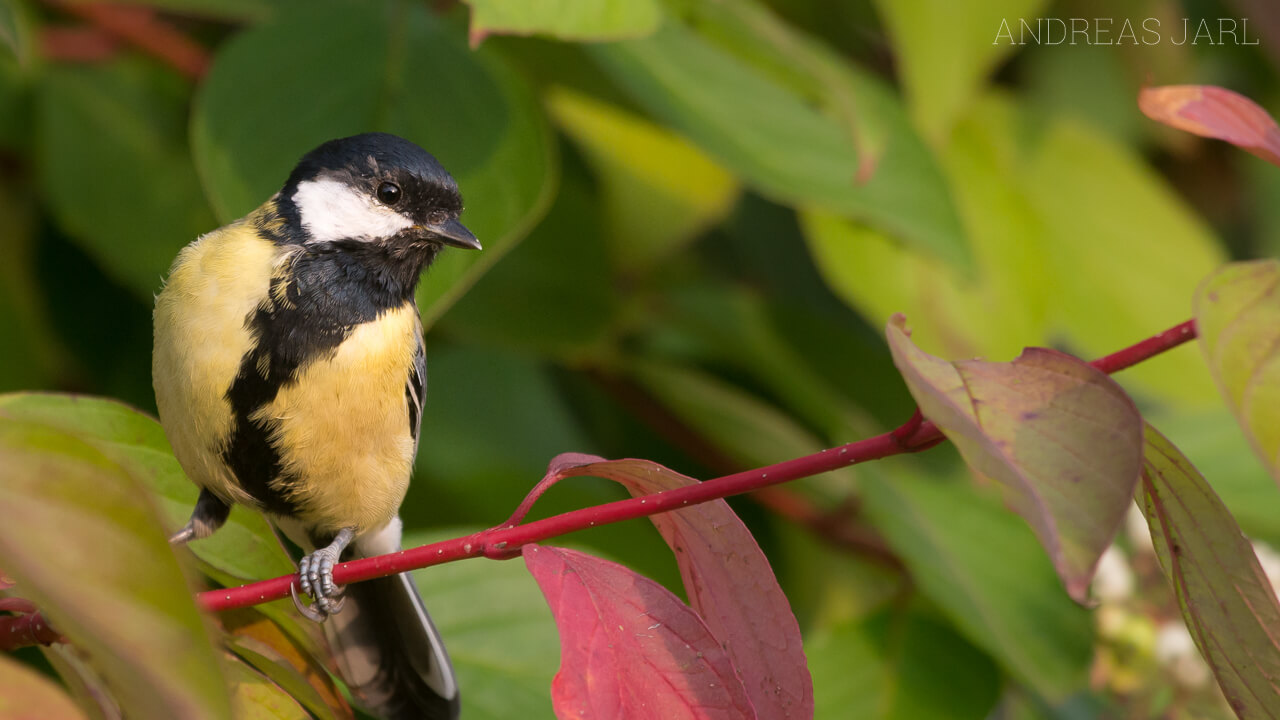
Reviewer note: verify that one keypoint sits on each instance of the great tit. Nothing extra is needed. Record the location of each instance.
(289, 374)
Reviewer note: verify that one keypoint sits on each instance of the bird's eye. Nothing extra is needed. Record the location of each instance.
(388, 193)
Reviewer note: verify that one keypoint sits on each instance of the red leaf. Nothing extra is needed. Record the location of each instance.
(1214, 112)
(1062, 439)
(628, 647)
(729, 583)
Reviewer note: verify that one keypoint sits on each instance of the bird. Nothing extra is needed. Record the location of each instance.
(289, 372)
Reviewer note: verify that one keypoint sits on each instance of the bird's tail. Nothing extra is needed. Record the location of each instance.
(390, 654)
(386, 647)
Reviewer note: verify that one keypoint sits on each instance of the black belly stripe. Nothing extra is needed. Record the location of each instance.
(249, 451)
(326, 297)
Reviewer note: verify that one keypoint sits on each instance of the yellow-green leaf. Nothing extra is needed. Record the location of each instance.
(779, 138)
(945, 50)
(84, 543)
(994, 311)
(1063, 440)
(244, 549)
(13, 35)
(1226, 598)
(1238, 320)
(565, 19)
(1075, 242)
(257, 698)
(262, 643)
(659, 190)
(1125, 253)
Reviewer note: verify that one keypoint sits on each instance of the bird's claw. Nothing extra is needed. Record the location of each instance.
(315, 578)
(303, 609)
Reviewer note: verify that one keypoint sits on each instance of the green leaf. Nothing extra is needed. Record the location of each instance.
(1226, 598)
(565, 19)
(346, 69)
(1213, 442)
(32, 356)
(498, 629)
(774, 138)
(464, 474)
(1261, 183)
(227, 9)
(80, 681)
(783, 344)
(553, 295)
(776, 320)
(14, 30)
(1063, 440)
(461, 472)
(25, 693)
(244, 549)
(114, 168)
(945, 51)
(84, 544)
(659, 191)
(900, 666)
(17, 87)
(1238, 321)
(828, 586)
(981, 565)
(744, 427)
(1093, 84)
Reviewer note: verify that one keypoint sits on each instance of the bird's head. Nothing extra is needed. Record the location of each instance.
(374, 188)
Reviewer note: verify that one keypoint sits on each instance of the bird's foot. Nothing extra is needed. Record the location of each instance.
(315, 578)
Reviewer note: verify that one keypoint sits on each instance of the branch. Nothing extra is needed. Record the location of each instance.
(78, 44)
(504, 541)
(140, 27)
(1149, 348)
(27, 627)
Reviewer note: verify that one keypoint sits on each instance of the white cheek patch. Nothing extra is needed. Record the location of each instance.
(332, 210)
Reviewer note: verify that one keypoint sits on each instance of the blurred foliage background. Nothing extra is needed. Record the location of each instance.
(697, 218)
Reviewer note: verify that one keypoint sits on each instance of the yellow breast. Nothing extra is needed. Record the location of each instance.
(340, 427)
(343, 427)
(200, 335)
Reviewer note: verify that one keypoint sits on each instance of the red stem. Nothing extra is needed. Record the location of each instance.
(1152, 346)
(18, 631)
(78, 44)
(140, 27)
(502, 542)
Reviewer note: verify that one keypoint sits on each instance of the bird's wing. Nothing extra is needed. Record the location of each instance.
(415, 389)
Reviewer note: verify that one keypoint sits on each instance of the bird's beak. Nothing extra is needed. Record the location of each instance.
(454, 233)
